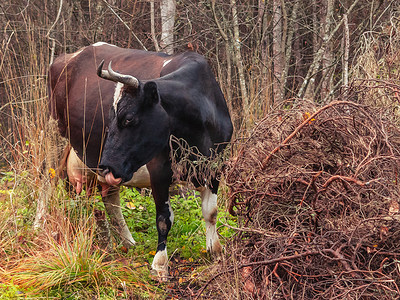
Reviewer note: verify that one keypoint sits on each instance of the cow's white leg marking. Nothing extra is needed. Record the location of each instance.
(117, 95)
(171, 217)
(160, 264)
(209, 209)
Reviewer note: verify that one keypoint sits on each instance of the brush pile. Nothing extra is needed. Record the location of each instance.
(317, 194)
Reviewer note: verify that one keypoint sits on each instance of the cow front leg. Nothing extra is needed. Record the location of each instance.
(210, 211)
(113, 207)
(164, 220)
(161, 177)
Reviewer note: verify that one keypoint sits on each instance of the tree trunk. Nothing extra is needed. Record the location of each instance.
(265, 85)
(238, 56)
(346, 46)
(168, 9)
(327, 63)
(277, 49)
(289, 42)
(315, 65)
(152, 26)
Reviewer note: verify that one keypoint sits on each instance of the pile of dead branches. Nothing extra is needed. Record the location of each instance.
(317, 193)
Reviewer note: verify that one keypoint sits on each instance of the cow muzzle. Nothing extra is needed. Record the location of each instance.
(109, 177)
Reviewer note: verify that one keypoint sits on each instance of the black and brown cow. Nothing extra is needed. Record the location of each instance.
(120, 120)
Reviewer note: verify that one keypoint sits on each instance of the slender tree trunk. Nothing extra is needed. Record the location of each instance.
(238, 56)
(315, 65)
(328, 57)
(168, 10)
(317, 29)
(346, 46)
(266, 97)
(277, 49)
(228, 51)
(289, 42)
(152, 26)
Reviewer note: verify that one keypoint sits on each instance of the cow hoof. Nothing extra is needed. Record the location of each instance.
(128, 243)
(160, 266)
(215, 248)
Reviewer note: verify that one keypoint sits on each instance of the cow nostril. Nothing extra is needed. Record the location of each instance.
(104, 171)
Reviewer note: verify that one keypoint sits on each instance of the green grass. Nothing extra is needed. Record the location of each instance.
(63, 261)
(187, 235)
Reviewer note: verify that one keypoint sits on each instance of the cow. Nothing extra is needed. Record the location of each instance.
(120, 120)
(79, 175)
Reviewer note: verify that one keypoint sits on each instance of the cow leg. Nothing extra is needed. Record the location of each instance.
(161, 177)
(113, 207)
(165, 219)
(210, 211)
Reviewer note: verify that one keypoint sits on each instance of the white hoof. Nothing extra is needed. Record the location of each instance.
(160, 265)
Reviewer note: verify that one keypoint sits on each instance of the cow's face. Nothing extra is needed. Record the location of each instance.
(138, 130)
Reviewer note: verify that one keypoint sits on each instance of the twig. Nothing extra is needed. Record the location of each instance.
(5, 50)
(56, 20)
(345, 262)
(257, 263)
(305, 122)
(339, 177)
(126, 25)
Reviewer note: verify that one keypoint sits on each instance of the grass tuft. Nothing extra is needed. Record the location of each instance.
(73, 265)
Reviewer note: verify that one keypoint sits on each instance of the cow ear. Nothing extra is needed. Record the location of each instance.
(151, 96)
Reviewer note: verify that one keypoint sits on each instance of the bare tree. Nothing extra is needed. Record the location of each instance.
(168, 10)
(346, 47)
(278, 45)
(306, 89)
(288, 46)
(260, 50)
(327, 70)
(238, 55)
(152, 26)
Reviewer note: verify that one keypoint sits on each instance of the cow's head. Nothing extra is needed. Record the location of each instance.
(138, 126)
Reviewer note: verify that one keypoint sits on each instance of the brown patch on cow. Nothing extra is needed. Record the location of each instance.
(216, 249)
(213, 216)
(162, 225)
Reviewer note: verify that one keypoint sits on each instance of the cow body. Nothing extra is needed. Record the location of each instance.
(150, 98)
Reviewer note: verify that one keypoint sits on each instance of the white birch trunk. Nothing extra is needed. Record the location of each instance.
(168, 10)
(277, 49)
(346, 46)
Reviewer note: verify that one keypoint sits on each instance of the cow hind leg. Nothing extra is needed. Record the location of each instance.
(113, 207)
(210, 211)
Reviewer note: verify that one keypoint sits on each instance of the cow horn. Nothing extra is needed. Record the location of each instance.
(110, 74)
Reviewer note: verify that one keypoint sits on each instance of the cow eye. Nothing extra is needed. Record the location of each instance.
(129, 121)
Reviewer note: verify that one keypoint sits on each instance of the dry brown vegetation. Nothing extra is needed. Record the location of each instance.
(317, 189)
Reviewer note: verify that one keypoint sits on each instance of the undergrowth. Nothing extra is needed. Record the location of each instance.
(64, 261)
